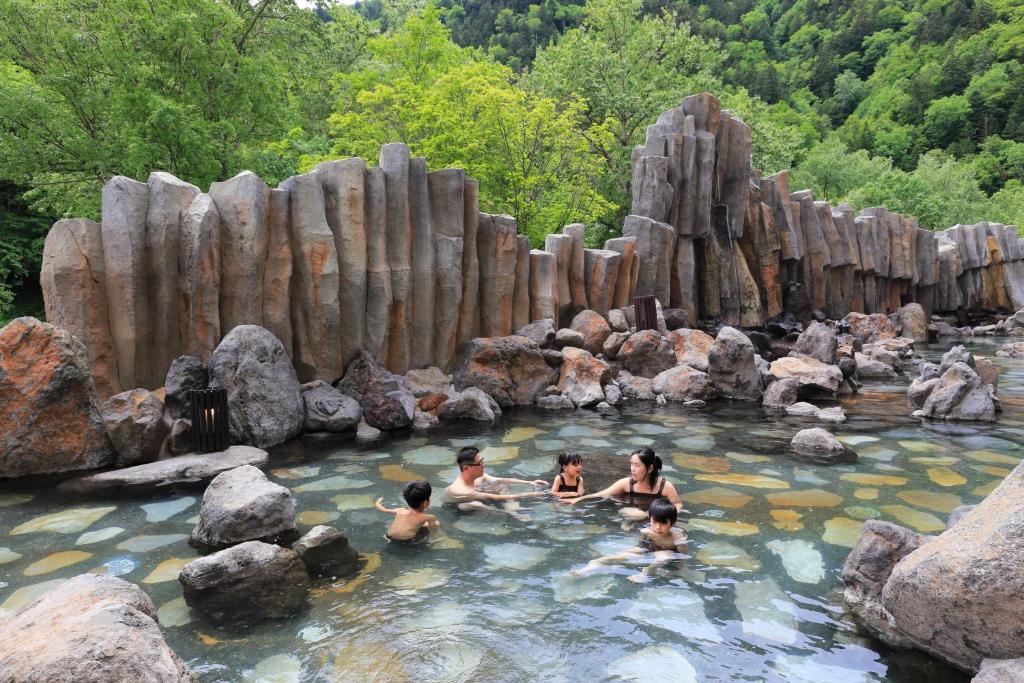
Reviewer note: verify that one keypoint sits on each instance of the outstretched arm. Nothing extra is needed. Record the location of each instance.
(624, 556)
(616, 489)
(380, 506)
(509, 480)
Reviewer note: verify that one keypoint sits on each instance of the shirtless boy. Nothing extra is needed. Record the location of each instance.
(659, 539)
(468, 490)
(412, 524)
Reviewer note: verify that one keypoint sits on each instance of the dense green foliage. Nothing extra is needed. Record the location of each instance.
(915, 104)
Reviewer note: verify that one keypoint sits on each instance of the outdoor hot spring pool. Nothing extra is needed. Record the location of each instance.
(758, 596)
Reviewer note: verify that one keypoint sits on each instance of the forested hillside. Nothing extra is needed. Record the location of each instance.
(916, 105)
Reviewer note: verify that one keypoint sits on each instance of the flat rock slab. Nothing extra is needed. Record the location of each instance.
(196, 469)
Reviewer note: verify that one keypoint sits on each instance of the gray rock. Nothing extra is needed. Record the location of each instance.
(246, 583)
(731, 365)
(365, 433)
(566, 338)
(179, 441)
(957, 354)
(868, 368)
(811, 374)
(879, 548)
(243, 505)
(430, 380)
(676, 318)
(919, 390)
(647, 354)
(552, 358)
(802, 409)
(612, 395)
(821, 445)
(691, 347)
(605, 407)
(134, 421)
(636, 388)
(511, 370)
(959, 395)
(958, 513)
(555, 403)
(683, 383)
(185, 470)
(617, 320)
(960, 596)
(88, 629)
(540, 332)
(469, 404)
(1000, 671)
(421, 421)
(329, 410)
(780, 393)
(264, 394)
(583, 377)
(929, 371)
(987, 371)
(326, 553)
(613, 343)
(818, 341)
(834, 415)
(185, 374)
(1011, 350)
(911, 321)
(386, 399)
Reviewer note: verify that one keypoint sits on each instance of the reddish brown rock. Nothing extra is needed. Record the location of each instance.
(582, 377)
(870, 328)
(691, 347)
(647, 353)
(431, 402)
(48, 403)
(593, 327)
(511, 370)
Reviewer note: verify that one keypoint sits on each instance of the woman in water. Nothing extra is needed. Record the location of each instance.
(642, 486)
(569, 482)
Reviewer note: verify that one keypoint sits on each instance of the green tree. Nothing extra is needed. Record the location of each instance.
(833, 171)
(1007, 205)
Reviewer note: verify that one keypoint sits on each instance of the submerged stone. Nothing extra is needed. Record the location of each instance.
(353, 501)
(676, 609)
(52, 563)
(752, 480)
(722, 527)
(922, 521)
(302, 472)
(918, 446)
(435, 456)
(517, 556)
(99, 535)
(9, 499)
(842, 531)
(866, 494)
(763, 608)
(723, 554)
(481, 525)
(807, 498)
(7, 555)
(167, 570)
(398, 473)
(657, 662)
(569, 588)
(339, 483)
(116, 567)
(856, 439)
(993, 458)
(717, 496)
(861, 512)
(932, 500)
(316, 517)
(143, 544)
(873, 479)
(420, 579)
(800, 559)
(174, 613)
(787, 520)
(748, 458)
(158, 512)
(701, 463)
(275, 669)
(64, 522)
(519, 434)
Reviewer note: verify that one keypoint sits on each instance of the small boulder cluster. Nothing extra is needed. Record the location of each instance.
(258, 570)
(962, 387)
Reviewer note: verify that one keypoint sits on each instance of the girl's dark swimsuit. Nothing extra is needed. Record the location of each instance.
(562, 486)
(645, 496)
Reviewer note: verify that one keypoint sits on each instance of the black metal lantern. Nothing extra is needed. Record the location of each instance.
(646, 310)
(209, 419)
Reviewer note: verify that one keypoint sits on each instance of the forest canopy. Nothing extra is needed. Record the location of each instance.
(915, 105)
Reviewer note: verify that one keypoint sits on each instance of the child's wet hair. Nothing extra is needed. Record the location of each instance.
(416, 493)
(650, 461)
(466, 456)
(662, 510)
(569, 458)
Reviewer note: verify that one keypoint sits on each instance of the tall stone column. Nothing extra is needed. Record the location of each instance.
(543, 286)
(521, 297)
(73, 280)
(560, 245)
(199, 251)
(277, 276)
(446, 211)
(168, 197)
(394, 160)
(577, 285)
(421, 345)
(601, 275)
(316, 311)
(344, 185)
(469, 311)
(378, 273)
(498, 250)
(625, 284)
(124, 205)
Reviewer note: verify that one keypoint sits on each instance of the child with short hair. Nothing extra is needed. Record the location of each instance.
(568, 483)
(658, 538)
(412, 525)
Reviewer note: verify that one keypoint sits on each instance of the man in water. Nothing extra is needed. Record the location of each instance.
(473, 489)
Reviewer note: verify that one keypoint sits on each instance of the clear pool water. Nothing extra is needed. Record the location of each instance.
(757, 597)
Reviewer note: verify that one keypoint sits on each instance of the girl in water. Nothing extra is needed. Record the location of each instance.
(568, 483)
(642, 486)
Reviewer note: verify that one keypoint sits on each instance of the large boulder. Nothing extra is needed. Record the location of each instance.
(48, 404)
(920, 389)
(569, 338)
(731, 365)
(957, 354)
(426, 381)
(1011, 350)
(540, 332)
(780, 393)
(470, 404)
(183, 471)
(89, 629)
(959, 395)
(812, 412)
(636, 388)
(647, 354)
(820, 445)
(613, 343)
(691, 347)
(246, 583)
(911, 321)
(185, 374)
(243, 505)
(870, 328)
(583, 377)
(1000, 671)
(329, 410)
(326, 553)
(960, 597)
(868, 566)
(810, 374)
(264, 395)
(683, 383)
(819, 342)
(386, 399)
(869, 368)
(593, 327)
(134, 421)
(511, 370)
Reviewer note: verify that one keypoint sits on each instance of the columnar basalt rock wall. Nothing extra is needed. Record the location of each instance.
(739, 241)
(401, 263)
(392, 260)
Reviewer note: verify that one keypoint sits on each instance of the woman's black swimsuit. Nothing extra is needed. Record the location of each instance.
(562, 486)
(645, 496)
